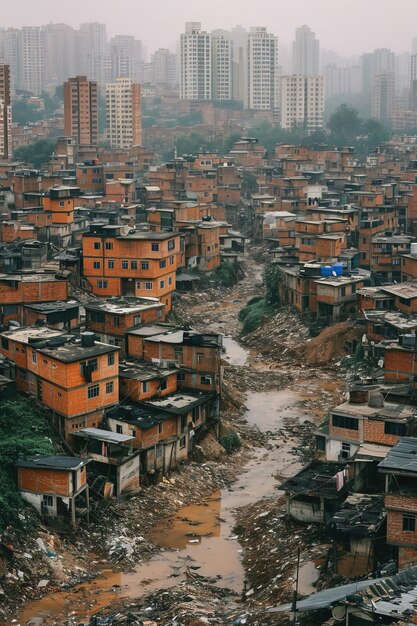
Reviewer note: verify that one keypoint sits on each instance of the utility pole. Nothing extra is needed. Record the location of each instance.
(295, 592)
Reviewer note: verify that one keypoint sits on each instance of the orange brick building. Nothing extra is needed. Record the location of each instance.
(133, 264)
(75, 379)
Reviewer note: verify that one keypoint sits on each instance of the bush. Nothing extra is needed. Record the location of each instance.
(231, 442)
(227, 274)
(254, 313)
(23, 432)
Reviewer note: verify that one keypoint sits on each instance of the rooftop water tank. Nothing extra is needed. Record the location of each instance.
(326, 270)
(338, 268)
(87, 339)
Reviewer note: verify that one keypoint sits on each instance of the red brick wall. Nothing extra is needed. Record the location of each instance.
(374, 433)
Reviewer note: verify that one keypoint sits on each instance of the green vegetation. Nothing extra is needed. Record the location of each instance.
(254, 313)
(348, 128)
(23, 432)
(231, 442)
(37, 153)
(272, 278)
(228, 273)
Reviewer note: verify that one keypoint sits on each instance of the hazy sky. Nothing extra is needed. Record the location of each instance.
(349, 27)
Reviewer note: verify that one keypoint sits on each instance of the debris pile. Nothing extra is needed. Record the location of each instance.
(195, 602)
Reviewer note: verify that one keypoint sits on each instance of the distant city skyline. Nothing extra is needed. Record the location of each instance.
(361, 28)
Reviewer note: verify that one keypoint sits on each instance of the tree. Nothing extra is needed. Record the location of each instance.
(37, 153)
(345, 123)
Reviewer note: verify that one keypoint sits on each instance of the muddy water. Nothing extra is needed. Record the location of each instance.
(199, 539)
(235, 353)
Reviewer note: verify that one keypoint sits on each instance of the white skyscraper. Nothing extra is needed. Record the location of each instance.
(302, 102)
(31, 58)
(123, 112)
(222, 65)
(164, 67)
(126, 57)
(195, 63)
(93, 54)
(262, 73)
(305, 52)
(59, 53)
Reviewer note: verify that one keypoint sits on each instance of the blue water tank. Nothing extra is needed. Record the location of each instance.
(326, 270)
(338, 268)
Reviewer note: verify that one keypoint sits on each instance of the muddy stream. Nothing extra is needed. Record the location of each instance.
(199, 538)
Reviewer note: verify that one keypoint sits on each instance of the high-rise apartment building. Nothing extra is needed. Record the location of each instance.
(124, 117)
(10, 53)
(31, 59)
(305, 52)
(302, 102)
(5, 113)
(81, 110)
(383, 96)
(93, 55)
(262, 71)
(126, 57)
(222, 65)
(195, 63)
(164, 68)
(59, 65)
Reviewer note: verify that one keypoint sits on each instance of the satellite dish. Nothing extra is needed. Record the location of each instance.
(339, 612)
(334, 273)
(381, 363)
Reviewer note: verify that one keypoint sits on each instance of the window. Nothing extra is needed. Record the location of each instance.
(133, 265)
(145, 386)
(110, 265)
(125, 265)
(345, 451)
(96, 265)
(119, 429)
(160, 427)
(171, 244)
(116, 321)
(171, 260)
(97, 245)
(155, 247)
(137, 320)
(110, 359)
(4, 343)
(109, 245)
(320, 443)
(47, 501)
(97, 316)
(391, 428)
(205, 380)
(34, 357)
(409, 522)
(148, 285)
(61, 203)
(183, 441)
(93, 391)
(163, 385)
(102, 284)
(109, 387)
(170, 280)
(145, 265)
(162, 263)
(341, 421)
(200, 357)
(162, 284)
